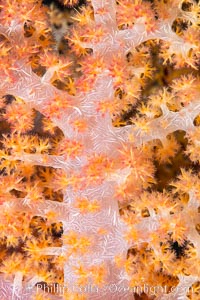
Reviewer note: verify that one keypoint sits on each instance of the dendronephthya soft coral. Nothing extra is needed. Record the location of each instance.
(82, 216)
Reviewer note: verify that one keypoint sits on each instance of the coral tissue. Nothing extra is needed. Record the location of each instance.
(87, 130)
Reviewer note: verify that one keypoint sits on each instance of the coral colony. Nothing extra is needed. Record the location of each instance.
(99, 173)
